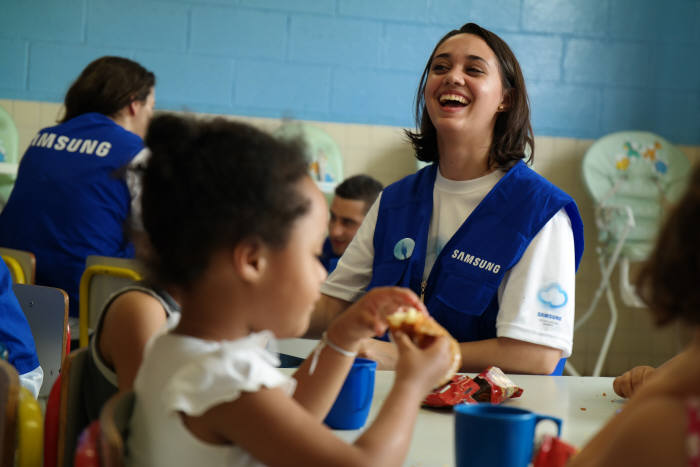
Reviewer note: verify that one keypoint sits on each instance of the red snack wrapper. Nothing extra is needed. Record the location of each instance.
(495, 386)
(457, 391)
(553, 452)
(491, 385)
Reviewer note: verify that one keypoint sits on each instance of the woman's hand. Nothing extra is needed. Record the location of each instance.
(627, 383)
(367, 317)
(382, 352)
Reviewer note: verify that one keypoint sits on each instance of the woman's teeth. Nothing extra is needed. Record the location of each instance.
(453, 100)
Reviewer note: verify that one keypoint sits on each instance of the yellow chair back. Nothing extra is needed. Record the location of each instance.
(15, 270)
(22, 423)
(21, 263)
(30, 431)
(116, 268)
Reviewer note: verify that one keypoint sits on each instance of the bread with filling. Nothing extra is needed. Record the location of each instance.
(422, 329)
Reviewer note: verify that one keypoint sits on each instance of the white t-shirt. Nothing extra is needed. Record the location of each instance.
(190, 375)
(536, 297)
(135, 185)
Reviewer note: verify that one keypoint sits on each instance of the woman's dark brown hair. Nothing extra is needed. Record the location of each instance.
(513, 139)
(669, 282)
(106, 86)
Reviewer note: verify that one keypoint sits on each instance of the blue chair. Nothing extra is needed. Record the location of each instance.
(46, 309)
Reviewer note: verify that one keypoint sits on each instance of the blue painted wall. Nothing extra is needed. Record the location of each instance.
(592, 66)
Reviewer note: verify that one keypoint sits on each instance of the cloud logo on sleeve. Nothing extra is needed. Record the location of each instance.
(553, 296)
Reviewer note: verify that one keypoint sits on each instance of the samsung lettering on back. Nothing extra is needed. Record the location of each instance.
(64, 143)
(477, 262)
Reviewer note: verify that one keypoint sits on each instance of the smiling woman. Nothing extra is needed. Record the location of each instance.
(487, 232)
(471, 63)
(469, 82)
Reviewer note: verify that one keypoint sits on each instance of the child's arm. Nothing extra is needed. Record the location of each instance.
(278, 431)
(365, 318)
(628, 382)
(677, 377)
(653, 433)
(131, 320)
(416, 374)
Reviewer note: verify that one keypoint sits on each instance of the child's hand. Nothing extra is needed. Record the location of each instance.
(425, 367)
(367, 317)
(627, 383)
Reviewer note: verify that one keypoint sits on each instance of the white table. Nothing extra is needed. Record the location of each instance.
(583, 403)
(578, 401)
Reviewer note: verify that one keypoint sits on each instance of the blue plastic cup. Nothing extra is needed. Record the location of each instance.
(351, 407)
(495, 435)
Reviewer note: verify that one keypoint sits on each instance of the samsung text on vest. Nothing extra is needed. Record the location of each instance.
(64, 143)
(476, 261)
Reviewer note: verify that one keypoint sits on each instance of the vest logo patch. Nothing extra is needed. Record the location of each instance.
(553, 296)
(404, 248)
(475, 261)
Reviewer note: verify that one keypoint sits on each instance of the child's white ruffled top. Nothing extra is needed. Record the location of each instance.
(190, 375)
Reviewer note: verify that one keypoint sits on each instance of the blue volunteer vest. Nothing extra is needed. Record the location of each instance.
(461, 290)
(69, 200)
(328, 258)
(15, 333)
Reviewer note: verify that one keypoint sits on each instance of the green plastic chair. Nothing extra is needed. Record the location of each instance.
(8, 155)
(632, 177)
(322, 152)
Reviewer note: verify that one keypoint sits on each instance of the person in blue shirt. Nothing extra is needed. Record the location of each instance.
(352, 200)
(72, 197)
(16, 336)
(489, 245)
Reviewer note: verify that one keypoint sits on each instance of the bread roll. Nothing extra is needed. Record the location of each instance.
(422, 330)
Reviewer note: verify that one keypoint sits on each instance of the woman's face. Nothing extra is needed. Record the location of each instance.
(463, 90)
(143, 112)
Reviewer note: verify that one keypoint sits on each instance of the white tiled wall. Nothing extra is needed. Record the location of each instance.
(383, 152)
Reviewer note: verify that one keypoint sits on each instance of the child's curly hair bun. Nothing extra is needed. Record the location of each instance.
(211, 183)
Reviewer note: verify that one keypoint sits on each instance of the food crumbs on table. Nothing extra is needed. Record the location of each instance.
(583, 409)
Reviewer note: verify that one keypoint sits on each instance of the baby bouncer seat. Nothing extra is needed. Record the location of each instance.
(8, 155)
(633, 177)
(322, 152)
